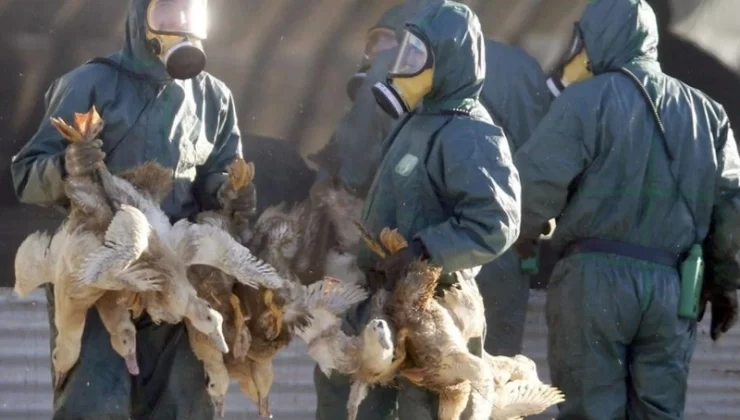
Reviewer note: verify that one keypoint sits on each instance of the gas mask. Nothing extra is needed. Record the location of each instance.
(573, 65)
(378, 39)
(174, 30)
(410, 78)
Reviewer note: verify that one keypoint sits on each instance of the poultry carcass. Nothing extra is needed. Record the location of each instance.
(372, 358)
(117, 320)
(342, 209)
(437, 355)
(240, 177)
(132, 252)
(519, 391)
(42, 259)
(300, 305)
(216, 287)
(314, 239)
(255, 379)
(167, 251)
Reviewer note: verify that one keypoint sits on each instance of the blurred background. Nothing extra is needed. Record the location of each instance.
(287, 62)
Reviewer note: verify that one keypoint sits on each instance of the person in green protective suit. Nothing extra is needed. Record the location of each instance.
(157, 104)
(434, 184)
(352, 155)
(639, 169)
(516, 96)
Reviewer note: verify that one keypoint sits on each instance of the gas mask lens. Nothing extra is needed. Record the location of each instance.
(178, 17)
(379, 39)
(575, 46)
(412, 58)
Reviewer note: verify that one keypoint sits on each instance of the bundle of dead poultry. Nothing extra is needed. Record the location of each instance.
(118, 251)
(423, 338)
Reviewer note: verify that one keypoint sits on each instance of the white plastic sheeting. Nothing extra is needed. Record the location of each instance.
(25, 385)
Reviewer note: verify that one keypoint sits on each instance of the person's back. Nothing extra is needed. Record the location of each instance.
(631, 203)
(157, 105)
(628, 186)
(515, 91)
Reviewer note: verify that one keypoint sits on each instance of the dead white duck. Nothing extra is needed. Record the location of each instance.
(519, 392)
(372, 358)
(56, 259)
(141, 245)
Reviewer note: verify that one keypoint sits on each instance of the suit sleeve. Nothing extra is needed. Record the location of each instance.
(37, 169)
(474, 174)
(226, 148)
(725, 235)
(548, 164)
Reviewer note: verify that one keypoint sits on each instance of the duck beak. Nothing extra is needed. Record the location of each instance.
(59, 379)
(218, 404)
(218, 340)
(385, 343)
(131, 364)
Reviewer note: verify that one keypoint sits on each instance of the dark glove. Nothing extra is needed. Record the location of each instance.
(83, 158)
(240, 203)
(395, 266)
(724, 310)
(245, 202)
(527, 248)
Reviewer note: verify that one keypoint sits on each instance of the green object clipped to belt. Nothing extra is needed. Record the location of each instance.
(530, 265)
(692, 279)
(691, 268)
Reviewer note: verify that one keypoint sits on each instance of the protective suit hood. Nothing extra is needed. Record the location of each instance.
(136, 54)
(409, 9)
(392, 19)
(456, 41)
(617, 32)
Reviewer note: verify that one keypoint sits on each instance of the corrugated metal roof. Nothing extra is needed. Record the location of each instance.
(25, 385)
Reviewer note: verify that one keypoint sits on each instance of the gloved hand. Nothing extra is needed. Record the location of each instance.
(241, 203)
(83, 158)
(245, 202)
(527, 248)
(724, 310)
(394, 267)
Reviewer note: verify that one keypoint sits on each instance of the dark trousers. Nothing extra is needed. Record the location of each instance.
(505, 292)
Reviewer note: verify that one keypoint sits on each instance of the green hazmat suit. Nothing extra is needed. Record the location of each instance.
(516, 96)
(190, 126)
(352, 155)
(446, 179)
(598, 162)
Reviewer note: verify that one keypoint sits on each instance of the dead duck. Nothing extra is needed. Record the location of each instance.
(518, 389)
(372, 358)
(43, 259)
(313, 239)
(437, 355)
(216, 288)
(304, 309)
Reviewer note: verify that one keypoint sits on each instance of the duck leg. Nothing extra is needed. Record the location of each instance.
(242, 337)
(274, 320)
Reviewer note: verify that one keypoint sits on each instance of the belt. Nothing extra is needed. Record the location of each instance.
(605, 246)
